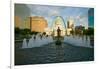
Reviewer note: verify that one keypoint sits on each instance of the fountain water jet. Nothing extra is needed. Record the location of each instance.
(37, 42)
(24, 44)
(30, 43)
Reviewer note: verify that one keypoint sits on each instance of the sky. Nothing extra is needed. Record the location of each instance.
(78, 14)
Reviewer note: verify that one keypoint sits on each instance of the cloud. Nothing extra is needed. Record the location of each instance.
(54, 13)
(47, 11)
(22, 10)
(78, 14)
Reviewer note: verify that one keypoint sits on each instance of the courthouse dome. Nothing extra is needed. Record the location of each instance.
(59, 21)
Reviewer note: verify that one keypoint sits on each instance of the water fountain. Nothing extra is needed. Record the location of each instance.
(36, 42)
(30, 43)
(24, 44)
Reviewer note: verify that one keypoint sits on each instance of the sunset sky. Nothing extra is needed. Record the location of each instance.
(78, 14)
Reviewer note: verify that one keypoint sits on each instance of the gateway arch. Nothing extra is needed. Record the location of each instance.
(59, 22)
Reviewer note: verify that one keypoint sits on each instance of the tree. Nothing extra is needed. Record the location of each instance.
(17, 30)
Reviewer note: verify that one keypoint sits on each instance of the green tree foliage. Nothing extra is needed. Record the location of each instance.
(89, 31)
(22, 31)
(17, 31)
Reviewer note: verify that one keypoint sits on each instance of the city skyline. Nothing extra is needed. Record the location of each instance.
(53, 34)
(78, 14)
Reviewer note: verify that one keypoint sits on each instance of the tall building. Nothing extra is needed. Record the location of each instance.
(70, 26)
(17, 21)
(22, 11)
(27, 23)
(38, 24)
(91, 17)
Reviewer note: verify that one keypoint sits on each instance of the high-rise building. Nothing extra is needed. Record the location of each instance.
(27, 23)
(70, 26)
(21, 12)
(17, 21)
(91, 17)
(38, 24)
